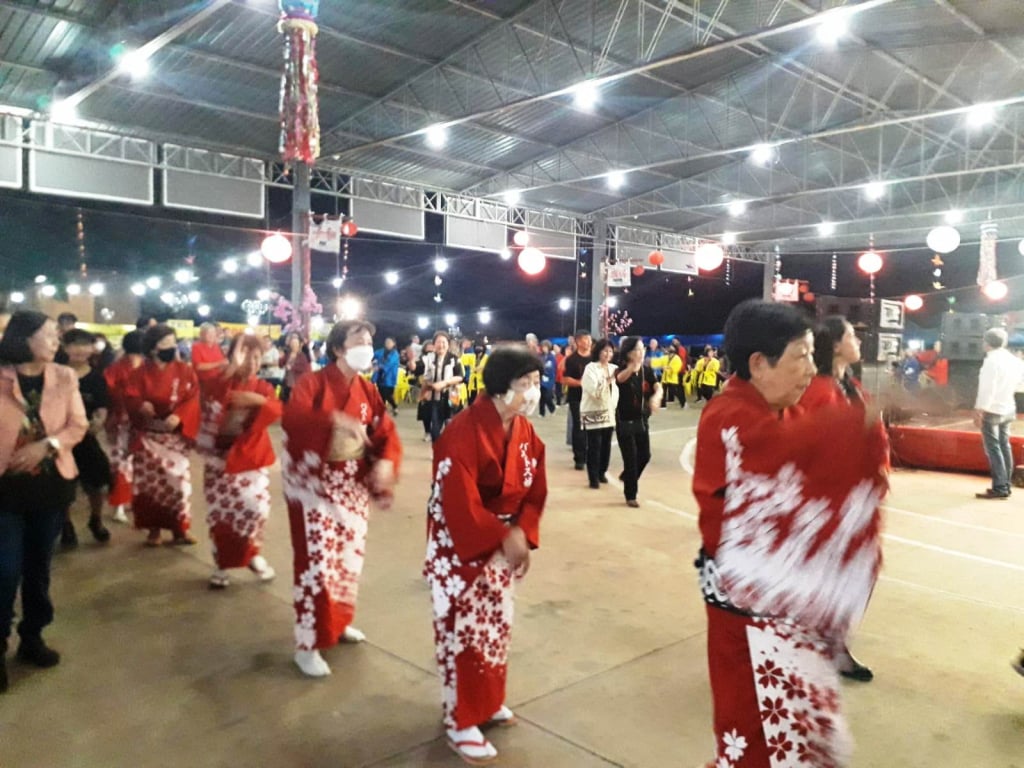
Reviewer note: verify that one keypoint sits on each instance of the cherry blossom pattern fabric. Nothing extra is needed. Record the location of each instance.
(162, 485)
(237, 509)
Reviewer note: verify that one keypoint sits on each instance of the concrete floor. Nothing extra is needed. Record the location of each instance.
(607, 666)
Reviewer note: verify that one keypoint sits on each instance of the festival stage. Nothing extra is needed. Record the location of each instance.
(945, 442)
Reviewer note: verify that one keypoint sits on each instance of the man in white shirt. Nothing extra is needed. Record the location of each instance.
(995, 409)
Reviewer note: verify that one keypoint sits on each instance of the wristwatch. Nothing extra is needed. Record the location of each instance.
(54, 445)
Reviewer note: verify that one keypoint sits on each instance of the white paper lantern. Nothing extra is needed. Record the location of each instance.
(532, 261)
(709, 257)
(913, 302)
(943, 239)
(996, 290)
(1020, 247)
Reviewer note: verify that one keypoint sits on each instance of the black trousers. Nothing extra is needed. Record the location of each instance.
(675, 392)
(547, 400)
(599, 453)
(387, 395)
(636, 454)
(558, 394)
(26, 547)
(707, 391)
(579, 437)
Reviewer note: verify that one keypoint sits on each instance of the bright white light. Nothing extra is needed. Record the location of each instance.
(230, 297)
(737, 207)
(40, 279)
(826, 229)
(63, 111)
(451, 319)
(337, 282)
(616, 180)
(586, 95)
(153, 283)
(183, 276)
(484, 316)
(391, 278)
(422, 322)
(230, 266)
(48, 290)
(981, 115)
(996, 290)
(194, 297)
(505, 254)
(254, 259)
(263, 294)
(954, 217)
(316, 323)
(512, 196)
(253, 320)
(762, 154)
(728, 238)
(833, 26)
(74, 289)
(97, 289)
(17, 297)
(441, 265)
(437, 298)
(565, 303)
(613, 302)
(203, 310)
(436, 136)
(875, 190)
(349, 308)
(167, 297)
(139, 289)
(943, 239)
(135, 64)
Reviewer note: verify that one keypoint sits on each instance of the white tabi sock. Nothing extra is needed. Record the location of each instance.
(470, 743)
(503, 715)
(352, 635)
(312, 663)
(261, 568)
(119, 515)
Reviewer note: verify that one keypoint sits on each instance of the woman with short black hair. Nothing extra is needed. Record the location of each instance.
(41, 420)
(639, 395)
(118, 424)
(442, 375)
(597, 410)
(483, 518)
(162, 400)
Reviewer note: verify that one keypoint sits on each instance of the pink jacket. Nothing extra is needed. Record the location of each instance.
(61, 412)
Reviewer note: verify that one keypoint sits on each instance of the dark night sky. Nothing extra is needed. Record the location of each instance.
(38, 236)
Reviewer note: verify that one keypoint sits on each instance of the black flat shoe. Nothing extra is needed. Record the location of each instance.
(33, 650)
(68, 537)
(857, 672)
(990, 494)
(604, 478)
(99, 531)
(595, 485)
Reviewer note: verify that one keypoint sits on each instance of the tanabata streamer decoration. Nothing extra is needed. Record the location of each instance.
(987, 253)
(300, 120)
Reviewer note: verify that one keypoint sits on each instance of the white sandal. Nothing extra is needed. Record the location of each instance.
(261, 568)
(471, 746)
(503, 718)
(219, 579)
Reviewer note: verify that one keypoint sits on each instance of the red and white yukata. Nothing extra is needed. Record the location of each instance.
(790, 523)
(329, 501)
(483, 484)
(119, 429)
(162, 485)
(236, 469)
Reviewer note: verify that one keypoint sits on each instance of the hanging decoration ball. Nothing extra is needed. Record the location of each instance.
(532, 261)
(809, 297)
(995, 290)
(276, 248)
(709, 256)
(521, 238)
(349, 228)
(943, 239)
(1020, 247)
(657, 258)
(951, 300)
(638, 270)
(870, 262)
(804, 288)
(913, 302)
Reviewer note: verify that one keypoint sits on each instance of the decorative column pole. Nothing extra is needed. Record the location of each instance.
(300, 132)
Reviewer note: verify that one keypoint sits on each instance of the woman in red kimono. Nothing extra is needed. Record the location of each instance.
(483, 518)
(162, 400)
(790, 529)
(237, 456)
(342, 448)
(118, 426)
(836, 349)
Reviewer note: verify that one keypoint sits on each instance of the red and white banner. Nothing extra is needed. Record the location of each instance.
(325, 235)
(618, 276)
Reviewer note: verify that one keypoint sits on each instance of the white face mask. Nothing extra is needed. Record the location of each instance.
(531, 397)
(359, 358)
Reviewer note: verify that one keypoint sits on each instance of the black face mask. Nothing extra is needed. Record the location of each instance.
(166, 355)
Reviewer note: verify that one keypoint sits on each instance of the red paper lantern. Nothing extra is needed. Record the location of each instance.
(809, 297)
(638, 270)
(870, 262)
(657, 258)
(276, 248)
(349, 228)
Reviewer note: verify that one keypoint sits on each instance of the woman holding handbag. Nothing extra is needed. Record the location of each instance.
(597, 410)
(639, 394)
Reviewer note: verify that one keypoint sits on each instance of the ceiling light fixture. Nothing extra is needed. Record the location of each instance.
(762, 154)
(826, 229)
(616, 180)
(981, 115)
(875, 190)
(737, 207)
(586, 95)
(436, 136)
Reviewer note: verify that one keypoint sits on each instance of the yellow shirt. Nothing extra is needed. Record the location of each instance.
(707, 371)
(672, 369)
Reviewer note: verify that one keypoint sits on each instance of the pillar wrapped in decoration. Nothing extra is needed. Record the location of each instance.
(300, 119)
(987, 253)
